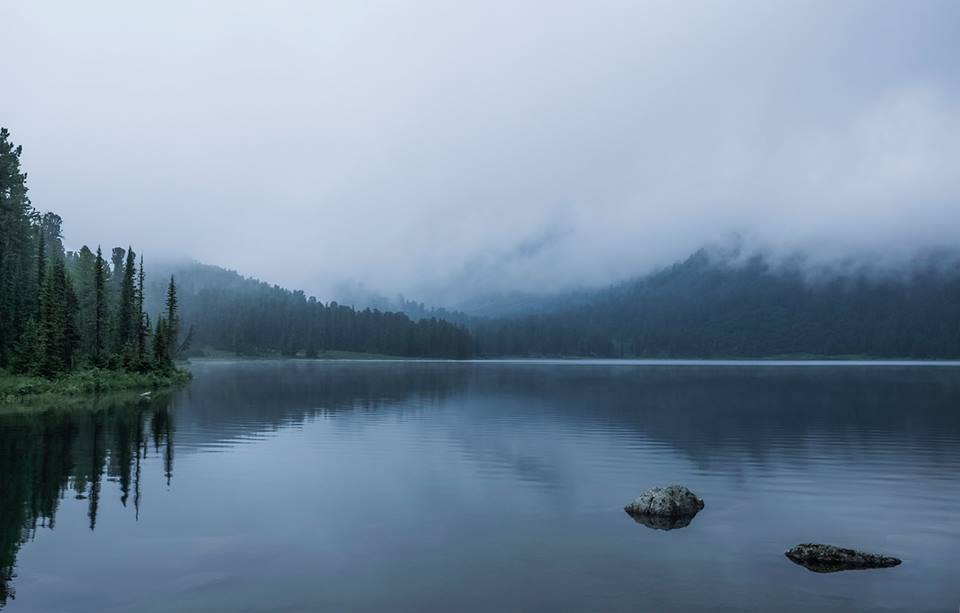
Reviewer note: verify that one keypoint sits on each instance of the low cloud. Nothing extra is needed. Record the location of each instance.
(446, 150)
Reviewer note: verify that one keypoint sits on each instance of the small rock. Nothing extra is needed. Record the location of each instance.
(665, 508)
(830, 559)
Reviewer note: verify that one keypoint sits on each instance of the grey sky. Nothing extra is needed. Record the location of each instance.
(443, 148)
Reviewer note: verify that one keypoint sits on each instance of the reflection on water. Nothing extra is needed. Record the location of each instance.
(488, 486)
(657, 522)
(49, 453)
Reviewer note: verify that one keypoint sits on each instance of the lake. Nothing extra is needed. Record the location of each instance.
(486, 486)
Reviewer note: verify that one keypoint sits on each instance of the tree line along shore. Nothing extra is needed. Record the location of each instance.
(73, 321)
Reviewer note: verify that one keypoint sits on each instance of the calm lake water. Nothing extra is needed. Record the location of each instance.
(434, 486)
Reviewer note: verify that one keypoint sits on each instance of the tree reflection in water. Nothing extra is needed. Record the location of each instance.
(46, 454)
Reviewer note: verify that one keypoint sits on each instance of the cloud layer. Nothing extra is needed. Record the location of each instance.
(442, 149)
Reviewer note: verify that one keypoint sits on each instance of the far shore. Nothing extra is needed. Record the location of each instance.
(799, 360)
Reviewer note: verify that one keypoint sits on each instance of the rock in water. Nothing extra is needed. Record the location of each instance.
(662, 523)
(830, 559)
(665, 508)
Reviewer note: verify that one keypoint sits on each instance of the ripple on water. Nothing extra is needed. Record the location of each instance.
(479, 486)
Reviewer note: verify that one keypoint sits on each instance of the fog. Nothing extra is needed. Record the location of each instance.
(448, 149)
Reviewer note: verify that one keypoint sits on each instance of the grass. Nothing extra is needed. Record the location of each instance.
(19, 388)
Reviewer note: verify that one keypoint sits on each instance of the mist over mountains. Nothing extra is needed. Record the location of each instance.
(752, 307)
(717, 303)
(814, 268)
(399, 145)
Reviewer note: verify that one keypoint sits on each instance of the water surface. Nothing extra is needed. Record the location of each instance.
(412, 486)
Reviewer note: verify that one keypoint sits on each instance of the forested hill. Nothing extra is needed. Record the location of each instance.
(705, 308)
(234, 313)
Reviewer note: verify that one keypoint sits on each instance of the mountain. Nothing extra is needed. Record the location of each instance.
(716, 306)
(519, 303)
(230, 312)
(711, 305)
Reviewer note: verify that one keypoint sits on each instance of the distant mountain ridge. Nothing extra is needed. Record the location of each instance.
(717, 305)
(229, 312)
(714, 304)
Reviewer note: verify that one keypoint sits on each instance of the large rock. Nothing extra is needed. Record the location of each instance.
(665, 508)
(830, 559)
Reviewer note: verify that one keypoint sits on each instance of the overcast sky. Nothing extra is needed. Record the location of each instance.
(446, 148)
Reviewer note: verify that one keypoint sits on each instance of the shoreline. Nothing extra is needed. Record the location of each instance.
(770, 361)
(82, 385)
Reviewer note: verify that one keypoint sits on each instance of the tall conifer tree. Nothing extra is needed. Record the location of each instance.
(143, 326)
(18, 288)
(161, 347)
(57, 326)
(41, 264)
(126, 308)
(173, 319)
(100, 306)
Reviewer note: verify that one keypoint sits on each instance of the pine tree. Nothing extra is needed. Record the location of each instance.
(50, 326)
(18, 288)
(161, 346)
(71, 329)
(100, 309)
(143, 325)
(115, 275)
(127, 322)
(117, 257)
(81, 266)
(173, 320)
(57, 326)
(41, 265)
(146, 361)
(52, 234)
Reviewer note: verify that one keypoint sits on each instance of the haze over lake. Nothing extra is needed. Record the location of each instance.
(484, 486)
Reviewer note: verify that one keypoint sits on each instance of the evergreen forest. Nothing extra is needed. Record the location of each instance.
(63, 311)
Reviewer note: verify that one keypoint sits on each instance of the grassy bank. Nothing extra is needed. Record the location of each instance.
(18, 388)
